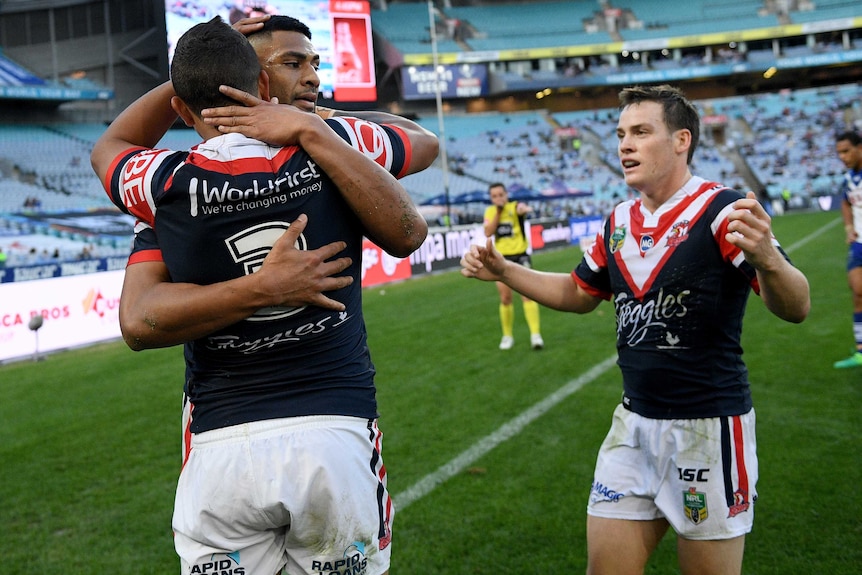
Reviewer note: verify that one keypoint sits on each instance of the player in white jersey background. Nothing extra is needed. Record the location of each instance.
(849, 148)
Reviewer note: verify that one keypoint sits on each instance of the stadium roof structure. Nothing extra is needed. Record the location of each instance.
(18, 83)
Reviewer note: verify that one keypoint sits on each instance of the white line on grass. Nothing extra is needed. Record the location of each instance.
(813, 235)
(427, 484)
(514, 426)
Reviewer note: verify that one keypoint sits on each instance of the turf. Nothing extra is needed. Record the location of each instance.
(89, 439)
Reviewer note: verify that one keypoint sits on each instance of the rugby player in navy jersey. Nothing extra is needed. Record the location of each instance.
(284, 467)
(679, 262)
(284, 50)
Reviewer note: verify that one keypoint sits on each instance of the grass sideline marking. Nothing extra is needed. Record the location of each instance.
(506, 431)
(514, 426)
(814, 235)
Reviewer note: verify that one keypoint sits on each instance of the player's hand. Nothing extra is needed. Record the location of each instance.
(265, 121)
(484, 263)
(246, 26)
(294, 277)
(750, 229)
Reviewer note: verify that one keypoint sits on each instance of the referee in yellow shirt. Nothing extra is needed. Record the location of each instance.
(505, 221)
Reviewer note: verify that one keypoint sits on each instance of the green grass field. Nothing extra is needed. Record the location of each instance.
(487, 478)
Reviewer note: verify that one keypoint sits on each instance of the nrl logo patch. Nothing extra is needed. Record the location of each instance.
(617, 239)
(694, 503)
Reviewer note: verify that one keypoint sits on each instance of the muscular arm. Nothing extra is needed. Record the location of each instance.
(154, 312)
(424, 143)
(381, 203)
(783, 288)
(143, 124)
(554, 290)
(847, 215)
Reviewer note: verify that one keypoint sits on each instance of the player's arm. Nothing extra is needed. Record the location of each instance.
(554, 290)
(783, 288)
(155, 312)
(388, 214)
(142, 124)
(847, 215)
(424, 143)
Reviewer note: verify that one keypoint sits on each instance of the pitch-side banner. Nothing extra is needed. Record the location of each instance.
(75, 310)
(84, 309)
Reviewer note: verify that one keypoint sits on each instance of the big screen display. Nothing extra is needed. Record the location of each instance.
(340, 32)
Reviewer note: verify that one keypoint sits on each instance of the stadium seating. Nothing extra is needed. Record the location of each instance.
(786, 138)
(826, 10)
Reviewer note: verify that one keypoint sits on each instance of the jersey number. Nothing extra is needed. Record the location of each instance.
(249, 248)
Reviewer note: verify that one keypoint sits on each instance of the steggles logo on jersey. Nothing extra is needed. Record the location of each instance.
(353, 562)
(617, 239)
(234, 343)
(636, 318)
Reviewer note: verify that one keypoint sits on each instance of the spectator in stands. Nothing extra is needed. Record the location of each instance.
(301, 372)
(3, 258)
(504, 221)
(849, 148)
(86, 253)
(679, 262)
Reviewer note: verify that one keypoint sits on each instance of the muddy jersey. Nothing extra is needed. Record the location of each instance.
(851, 190)
(212, 214)
(679, 290)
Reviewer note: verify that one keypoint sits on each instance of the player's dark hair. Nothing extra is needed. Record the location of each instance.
(282, 24)
(208, 55)
(679, 112)
(496, 185)
(853, 137)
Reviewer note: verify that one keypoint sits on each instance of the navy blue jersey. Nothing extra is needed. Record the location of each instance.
(214, 212)
(680, 291)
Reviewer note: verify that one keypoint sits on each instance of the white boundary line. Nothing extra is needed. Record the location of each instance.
(508, 430)
(813, 235)
(514, 426)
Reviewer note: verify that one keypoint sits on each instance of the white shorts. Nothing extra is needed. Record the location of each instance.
(308, 493)
(698, 474)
